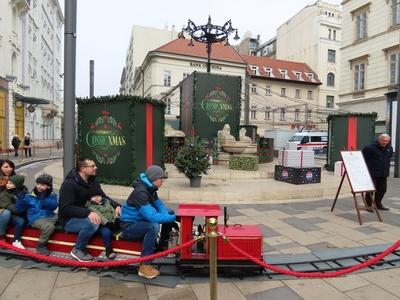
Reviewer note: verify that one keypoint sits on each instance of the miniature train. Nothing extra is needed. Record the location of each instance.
(247, 237)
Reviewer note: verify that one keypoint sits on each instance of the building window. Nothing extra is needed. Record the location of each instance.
(395, 12)
(310, 76)
(267, 113)
(254, 70)
(298, 75)
(331, 55)
(167, 78)
(359, 77)
(330, 101)
(361, 25)
(283, 73)
(168, 106)
(283, 92)
(309, 114)
(282, 116)
(253, 88)
(268, 90)
(330, 79)
(297, 94)
(394, 68)
(268, 72)
(309, 95)
(297, 114)
(332, 34)
(253, 112)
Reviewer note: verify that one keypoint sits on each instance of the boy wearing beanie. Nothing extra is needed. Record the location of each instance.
(143, 213)
(15, 191)
(39, 207)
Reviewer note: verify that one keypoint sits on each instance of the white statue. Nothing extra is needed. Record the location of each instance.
(171, 132)
(224, 135)
(243, 137)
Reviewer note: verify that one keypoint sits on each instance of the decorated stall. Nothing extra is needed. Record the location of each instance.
(122, 134)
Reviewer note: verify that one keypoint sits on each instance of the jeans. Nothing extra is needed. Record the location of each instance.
(106, 235)
(85, 229)
(28, 150)
(142, 230)
(16, 221)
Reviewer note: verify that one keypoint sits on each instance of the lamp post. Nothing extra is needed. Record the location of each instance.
(209, 34)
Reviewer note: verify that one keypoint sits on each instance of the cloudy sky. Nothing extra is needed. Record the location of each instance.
(104, 26)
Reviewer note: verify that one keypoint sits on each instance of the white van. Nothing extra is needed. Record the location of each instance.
(308, 140)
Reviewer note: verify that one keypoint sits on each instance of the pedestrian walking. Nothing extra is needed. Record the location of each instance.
(377, 156)
(15, 142)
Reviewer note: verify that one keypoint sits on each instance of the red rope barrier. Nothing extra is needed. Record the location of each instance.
(354, 268)
(75, 263)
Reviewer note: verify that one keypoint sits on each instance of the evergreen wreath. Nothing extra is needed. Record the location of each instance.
(192, 160)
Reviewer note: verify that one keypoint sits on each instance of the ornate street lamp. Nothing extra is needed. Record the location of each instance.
(209, 34)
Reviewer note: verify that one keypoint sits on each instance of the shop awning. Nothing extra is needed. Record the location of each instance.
(30, 100)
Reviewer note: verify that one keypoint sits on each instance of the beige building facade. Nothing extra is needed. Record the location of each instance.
(370, 55)
(313, 36)
(142, 40)
(30, 69)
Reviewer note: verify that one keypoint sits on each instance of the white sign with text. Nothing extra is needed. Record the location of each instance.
(357, 171)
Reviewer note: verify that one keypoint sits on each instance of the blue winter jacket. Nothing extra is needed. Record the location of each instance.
(143, 204)
(38, 206)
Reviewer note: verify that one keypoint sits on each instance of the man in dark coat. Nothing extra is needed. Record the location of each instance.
(79, 185)
(377, 156)
(15, 142)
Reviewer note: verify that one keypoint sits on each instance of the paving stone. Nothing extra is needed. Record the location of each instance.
(368, 229)
(224, 291)
(286, 246)
(347, 283)
(279, 293)
(6, 275)
(84, 290)
(34, 284)
(370, 292)
(314, 220)
(301, 224)
(320, 246)
(267, 231)
(248, 287)
(386, 280)
(314, 289)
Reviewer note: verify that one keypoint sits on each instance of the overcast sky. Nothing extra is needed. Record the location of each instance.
(104, 26)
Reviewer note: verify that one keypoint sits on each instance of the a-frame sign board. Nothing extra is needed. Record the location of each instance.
(359, 178)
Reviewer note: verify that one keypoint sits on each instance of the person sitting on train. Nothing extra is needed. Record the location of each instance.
(39, 206)
(79, 185)
(109, 221)
(14, 191)
(142, 214)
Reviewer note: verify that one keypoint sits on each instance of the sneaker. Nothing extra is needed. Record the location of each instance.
(43, 250)
(18, 244)
(383, 208)
(148, 271)
(81, 255)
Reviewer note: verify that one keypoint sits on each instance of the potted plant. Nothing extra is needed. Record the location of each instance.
(193, 161)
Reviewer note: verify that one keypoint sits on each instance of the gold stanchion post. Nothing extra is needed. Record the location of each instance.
(212, 238)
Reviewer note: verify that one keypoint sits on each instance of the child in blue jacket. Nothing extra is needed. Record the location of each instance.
(39, 206)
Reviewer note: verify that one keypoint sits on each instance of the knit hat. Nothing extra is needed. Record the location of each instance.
(155, 172)
(18, 180)
(45, 179)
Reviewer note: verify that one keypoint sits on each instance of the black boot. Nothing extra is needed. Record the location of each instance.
(110, 253)
(42, 249)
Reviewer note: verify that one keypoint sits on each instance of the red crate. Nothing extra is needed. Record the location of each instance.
(249, 238)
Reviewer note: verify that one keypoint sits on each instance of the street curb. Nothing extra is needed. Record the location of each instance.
(23, 164)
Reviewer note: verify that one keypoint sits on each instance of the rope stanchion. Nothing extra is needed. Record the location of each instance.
(74, 263)
(354, 268)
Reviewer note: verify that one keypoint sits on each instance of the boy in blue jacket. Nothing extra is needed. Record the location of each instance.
(143, 213)
(39, 206)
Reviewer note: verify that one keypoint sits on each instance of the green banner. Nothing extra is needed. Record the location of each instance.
(105, 136)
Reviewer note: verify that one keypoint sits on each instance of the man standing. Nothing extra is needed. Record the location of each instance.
(377, 156)
(79, 185)
(27, 145)
(143, 213)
